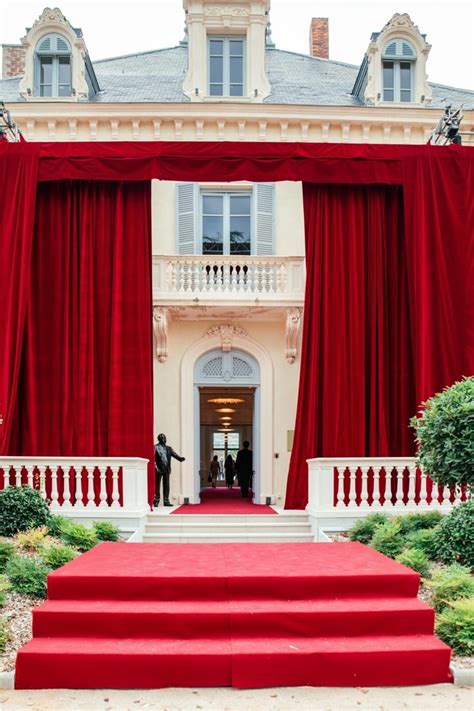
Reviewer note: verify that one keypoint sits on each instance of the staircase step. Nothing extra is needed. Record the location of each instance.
(251, 662)
(218, 536)
(294, 517)
(191, 527)
(272, 618)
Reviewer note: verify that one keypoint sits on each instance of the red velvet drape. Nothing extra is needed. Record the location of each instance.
(86, 367)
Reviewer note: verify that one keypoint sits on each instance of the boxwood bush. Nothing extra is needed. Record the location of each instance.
(449, 584)
(7, 551)
(27, 576)
(455, 626)
(426, 540)
(363, 530)
(57, 556)
(456, 535)
(21, 508)
(415, 559)
(388, 539)
(78, 536)
(419, 521)
(106, 531)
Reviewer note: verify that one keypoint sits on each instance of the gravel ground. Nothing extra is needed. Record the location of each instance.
(17, 611)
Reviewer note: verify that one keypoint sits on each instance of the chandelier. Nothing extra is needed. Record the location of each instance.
(226, 400)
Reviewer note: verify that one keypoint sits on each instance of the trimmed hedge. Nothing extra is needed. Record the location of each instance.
(21, 508)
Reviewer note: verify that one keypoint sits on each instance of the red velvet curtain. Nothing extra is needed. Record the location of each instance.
(86, 366)
(18, 176)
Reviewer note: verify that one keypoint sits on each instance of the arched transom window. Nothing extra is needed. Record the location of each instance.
(398, 71)
(53, 66)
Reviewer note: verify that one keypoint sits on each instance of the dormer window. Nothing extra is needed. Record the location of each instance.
(226, 66)
(53, 66)
(398, 70)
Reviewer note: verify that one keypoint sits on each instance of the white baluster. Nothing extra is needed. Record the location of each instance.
(78, 470)
(364, 492)
(30, 475)
(54, 487)
(42, 480)
(67, 489)
(423, 489)
(376, 492)
(351, 503)
(399, 486)
(18, 470)
(90, 486)
(115, 496)
(226, 279)
(411, 491)
(174, 276)
(103, 489)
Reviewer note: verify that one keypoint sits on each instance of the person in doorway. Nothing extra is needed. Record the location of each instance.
(163, 454)
(229, 467)
(214, 469)
(243, 467)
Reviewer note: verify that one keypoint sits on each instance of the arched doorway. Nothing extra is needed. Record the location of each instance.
(247, 365)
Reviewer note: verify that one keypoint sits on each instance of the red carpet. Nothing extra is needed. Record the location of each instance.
(222, 500)
(242, 615)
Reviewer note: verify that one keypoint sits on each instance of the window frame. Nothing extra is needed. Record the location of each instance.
(226, 216)
(55, 56)
(397, 96)
(226, 83)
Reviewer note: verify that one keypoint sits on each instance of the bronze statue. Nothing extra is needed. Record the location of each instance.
(163, 454)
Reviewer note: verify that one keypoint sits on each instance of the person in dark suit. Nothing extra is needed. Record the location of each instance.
(163, 454)
(243, 468)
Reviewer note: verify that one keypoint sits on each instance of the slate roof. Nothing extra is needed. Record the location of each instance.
(296, 79)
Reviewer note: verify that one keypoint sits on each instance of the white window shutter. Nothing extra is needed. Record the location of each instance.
(264, 217)
(187, 197)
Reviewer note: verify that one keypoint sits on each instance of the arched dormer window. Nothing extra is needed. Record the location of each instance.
(398, 71)
(53, 66)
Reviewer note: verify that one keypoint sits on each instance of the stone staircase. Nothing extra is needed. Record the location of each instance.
(291, 527)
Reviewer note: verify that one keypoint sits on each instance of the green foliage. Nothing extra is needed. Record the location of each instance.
(106, 531)
(364, 529)
(445, 435)
(21, 508)
(56, 524)
(27, 576)
(456, 535)
(419, 521)
(4, 634)
(7, 551)
(388, 539)
(415, 559)
(57, 556)
(455, 626)
(426, 540)
(449, 584)
(78, 536)
(31, 541)
(4, 586)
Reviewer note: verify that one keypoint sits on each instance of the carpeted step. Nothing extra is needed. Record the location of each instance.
(154, 571)
(244, 663)
(245, 618)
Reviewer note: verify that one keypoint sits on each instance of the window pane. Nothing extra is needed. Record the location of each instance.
(46, 70)
(218, 440)
(405, 95)
(388, 95)
(240, 235)
(236, 48)
(216, 90)
(64, 70)
(236, 70)
(233, 440)
(405, 75)
(240, 205)
(212, 235)
(236, 90)
(212, 204)
(216, 67)
(46, 90)
(216, 47)
(388, 75)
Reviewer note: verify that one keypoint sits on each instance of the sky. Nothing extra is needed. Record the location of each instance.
(112, 28)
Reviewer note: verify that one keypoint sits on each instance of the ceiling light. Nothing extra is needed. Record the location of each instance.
(225, 418)
(225, 409)
(226, 400)
(225, 430)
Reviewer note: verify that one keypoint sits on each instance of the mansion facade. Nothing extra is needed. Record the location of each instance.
(228, 260)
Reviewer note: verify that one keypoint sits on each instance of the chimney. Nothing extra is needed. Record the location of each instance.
(319, 37)
(13, 60)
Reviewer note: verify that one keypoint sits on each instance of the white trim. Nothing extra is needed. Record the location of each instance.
(189, 439)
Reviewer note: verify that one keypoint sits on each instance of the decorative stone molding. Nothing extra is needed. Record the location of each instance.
(399, 27)
(225, 10)
(53, 21)
(293, 323)
(226, 333)
(160, 328)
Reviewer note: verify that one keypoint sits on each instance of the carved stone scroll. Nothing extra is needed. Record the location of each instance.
(293, 323)
(160, 328)
(226, 332)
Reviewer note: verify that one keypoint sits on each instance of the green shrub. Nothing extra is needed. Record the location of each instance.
(57, 556)
(28, 576)
(419, 521)
(106, 531)
(4, 587)
(78, 536)
(56, 524)
(445, 435)
(31, 541)
(449, 584)
(426, 540)
(455, 626)
(7, 551)
(4, 634)
(388, 539)
(456, 535)
(21, 508)
(415, 559)
(364, 529)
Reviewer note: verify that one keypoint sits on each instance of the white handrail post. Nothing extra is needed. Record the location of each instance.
(134, 485)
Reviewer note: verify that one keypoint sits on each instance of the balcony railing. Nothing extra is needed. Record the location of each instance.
(268, 279)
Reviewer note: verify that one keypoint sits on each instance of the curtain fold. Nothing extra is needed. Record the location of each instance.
(356, 390)
(18, 179)
(86, 369)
